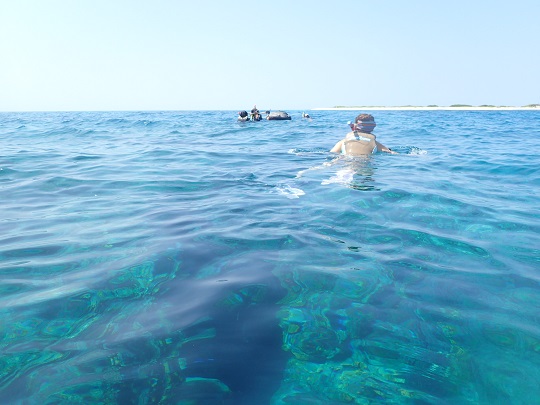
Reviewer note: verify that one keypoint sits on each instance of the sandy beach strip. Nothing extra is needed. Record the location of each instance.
(412, 108)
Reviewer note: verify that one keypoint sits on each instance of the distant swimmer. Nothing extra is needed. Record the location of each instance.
(243, 116)
(360, 141)
(255, 115)
(304, 115)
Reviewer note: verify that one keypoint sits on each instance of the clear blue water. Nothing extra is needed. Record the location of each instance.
(185, 258)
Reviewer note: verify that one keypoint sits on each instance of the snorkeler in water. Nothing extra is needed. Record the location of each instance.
(360, 141)
(243, 116)
(255, 114)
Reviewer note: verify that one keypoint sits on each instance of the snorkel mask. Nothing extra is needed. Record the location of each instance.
(365, 126)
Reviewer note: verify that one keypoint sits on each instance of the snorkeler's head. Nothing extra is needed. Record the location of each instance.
(364, 123)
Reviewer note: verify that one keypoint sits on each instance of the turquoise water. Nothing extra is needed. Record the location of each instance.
(185, 258)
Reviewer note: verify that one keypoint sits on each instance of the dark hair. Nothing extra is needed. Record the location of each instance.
(243, 114)
(364, 117)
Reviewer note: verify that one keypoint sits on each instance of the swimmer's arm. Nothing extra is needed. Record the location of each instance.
(337, 147)
(383, 148)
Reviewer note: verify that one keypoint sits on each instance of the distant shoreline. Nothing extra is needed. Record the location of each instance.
(413, 108)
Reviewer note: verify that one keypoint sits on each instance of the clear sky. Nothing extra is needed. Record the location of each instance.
(64, 55)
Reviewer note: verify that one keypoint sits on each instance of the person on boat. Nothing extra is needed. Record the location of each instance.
(360, 141)
(243, 116)
(255, 115)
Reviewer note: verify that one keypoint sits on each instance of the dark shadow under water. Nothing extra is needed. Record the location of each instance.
(232, 353)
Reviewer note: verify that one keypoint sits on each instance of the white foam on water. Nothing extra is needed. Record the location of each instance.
(318, 167)
(290, 192)
(343, 176)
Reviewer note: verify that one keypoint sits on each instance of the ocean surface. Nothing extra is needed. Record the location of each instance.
(186, 258)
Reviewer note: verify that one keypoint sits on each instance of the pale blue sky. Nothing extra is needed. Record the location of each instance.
(65, 55)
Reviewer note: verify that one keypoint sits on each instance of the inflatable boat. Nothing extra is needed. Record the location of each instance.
(277, 115)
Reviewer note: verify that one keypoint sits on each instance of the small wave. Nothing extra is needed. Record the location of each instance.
(145, 123)
(86, 157)
(290, 192)
(5, 171)
(115, 121)
(409, 150)
(301, 152)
